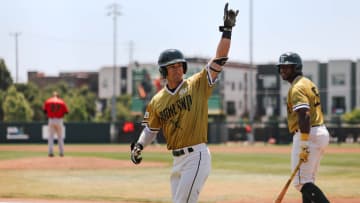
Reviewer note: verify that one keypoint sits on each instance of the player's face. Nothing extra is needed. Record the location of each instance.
(286, 71)
(175, 73)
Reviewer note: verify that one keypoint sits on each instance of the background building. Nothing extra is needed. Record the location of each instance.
(338, 82)
(341, 86)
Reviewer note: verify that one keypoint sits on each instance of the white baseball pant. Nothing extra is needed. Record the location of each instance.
(189, 173)
(55, 127)
(318, 140)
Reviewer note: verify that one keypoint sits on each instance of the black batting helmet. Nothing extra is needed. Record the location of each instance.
(169, 57)
(290, 58)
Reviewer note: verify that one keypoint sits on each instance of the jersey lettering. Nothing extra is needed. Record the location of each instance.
(168, 112)
(183, 103)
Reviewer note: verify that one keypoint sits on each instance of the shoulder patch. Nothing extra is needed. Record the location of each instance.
(183, 91)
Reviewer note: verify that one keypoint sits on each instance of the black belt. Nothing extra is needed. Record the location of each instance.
(317, 125)
(311, 126)
(182, 151)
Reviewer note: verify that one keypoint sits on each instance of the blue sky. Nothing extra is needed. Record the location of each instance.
(77, 35)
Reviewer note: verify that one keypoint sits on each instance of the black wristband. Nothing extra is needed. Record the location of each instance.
(215, 70)
(226, 34)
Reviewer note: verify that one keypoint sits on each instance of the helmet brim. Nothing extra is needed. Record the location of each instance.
(163, 65)
(285, 63)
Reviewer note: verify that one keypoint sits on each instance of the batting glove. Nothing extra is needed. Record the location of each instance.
(304, 151)
(136, 152)
(229, 19)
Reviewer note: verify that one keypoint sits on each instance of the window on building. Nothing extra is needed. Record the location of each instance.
(269, 81)
(123, 76)
(233, 86)
(230, 108)
(105, 83)
(338, 105)
(123, 73)
(338, 79)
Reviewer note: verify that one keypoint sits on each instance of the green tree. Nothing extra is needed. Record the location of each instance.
(34, 97)
(2, 98)
(123, 112)
(352, 117)
(16, 107)
(77, 108)
(90, 105)
(5, 77)
(123, 106)
(61, 87)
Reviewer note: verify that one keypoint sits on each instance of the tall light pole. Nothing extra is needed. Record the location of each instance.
(16, 36)
(114, 12)
(251, 111)
(130, 66)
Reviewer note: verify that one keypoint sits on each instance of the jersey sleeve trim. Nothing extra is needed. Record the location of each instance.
(146, 124)
(301, 106)
(211, 81)
(154, 129)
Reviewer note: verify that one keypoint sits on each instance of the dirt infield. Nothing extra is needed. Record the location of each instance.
(230, 147)
(50, 201)
(69, 162)
(334, 200)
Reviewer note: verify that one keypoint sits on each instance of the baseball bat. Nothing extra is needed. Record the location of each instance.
(285, 188)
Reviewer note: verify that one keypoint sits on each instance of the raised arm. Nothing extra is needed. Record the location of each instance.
(225, 41)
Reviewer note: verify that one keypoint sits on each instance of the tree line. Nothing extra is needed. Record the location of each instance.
(23, 102)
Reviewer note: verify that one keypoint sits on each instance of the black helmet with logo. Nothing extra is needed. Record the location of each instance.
(290, 58)
(169, 57)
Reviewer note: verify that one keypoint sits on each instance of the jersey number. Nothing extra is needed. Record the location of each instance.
(317, 98)
(55, 107)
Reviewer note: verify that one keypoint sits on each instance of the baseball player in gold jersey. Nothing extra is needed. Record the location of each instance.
(306, 122)
(180, 109)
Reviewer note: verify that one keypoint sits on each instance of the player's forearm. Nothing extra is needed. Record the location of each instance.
(223, 48)
(220, 59)
(304, 121)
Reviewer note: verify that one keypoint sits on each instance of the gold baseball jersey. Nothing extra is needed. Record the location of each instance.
(303, 93)
(183, 113)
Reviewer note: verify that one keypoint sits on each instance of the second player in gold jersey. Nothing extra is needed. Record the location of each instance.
(303, 93)
(306, 123)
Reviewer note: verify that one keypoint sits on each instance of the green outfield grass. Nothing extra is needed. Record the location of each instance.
(234, 176)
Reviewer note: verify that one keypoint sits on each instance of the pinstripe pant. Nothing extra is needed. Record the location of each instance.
(189, 174)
